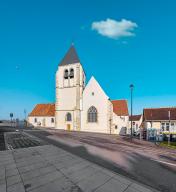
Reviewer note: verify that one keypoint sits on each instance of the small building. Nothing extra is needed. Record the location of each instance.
(43, 115)
(120, 117)
(136, 123)
(159, 122)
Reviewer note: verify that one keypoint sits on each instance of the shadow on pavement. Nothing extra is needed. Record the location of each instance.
(143, 170)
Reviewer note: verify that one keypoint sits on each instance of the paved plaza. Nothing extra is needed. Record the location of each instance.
(141, 161)
(51, 169)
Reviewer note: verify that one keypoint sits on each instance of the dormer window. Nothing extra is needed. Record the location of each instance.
(66, 74)
(71, 73)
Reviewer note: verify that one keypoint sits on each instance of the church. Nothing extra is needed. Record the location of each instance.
(80, 106)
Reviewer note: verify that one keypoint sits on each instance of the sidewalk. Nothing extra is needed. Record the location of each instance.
(50, 169)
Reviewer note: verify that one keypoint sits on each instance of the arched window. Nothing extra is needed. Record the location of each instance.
(68, 117)
(71, 73)
(66, 74)
(92, 115)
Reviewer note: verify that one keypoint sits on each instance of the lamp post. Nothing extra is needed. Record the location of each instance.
(25, 122)
(131, 89)
(169, 115)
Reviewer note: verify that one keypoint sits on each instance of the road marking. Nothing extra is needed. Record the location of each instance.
(164, 162)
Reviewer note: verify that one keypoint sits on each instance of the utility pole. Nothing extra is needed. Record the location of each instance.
(131, 89)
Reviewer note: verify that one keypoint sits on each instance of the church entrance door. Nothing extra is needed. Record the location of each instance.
(68, 127)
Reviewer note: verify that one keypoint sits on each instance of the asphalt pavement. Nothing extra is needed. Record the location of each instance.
(144, 170)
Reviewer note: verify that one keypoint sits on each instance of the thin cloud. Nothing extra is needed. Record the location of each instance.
(115, 29)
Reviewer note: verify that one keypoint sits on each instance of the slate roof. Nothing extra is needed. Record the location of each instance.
(43, 110)
(135, 117)
(70, 57)
(120, 107)
(159, 113)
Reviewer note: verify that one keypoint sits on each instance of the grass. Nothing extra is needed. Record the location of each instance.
(165, 144)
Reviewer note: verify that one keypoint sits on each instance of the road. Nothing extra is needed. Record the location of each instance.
(141, 161)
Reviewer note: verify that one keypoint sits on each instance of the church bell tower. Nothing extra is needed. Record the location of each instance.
(70, 83)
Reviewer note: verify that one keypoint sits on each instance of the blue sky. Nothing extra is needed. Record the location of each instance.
(35, 35)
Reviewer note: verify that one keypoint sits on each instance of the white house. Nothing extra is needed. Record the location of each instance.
(159, 122)
(120, 117)
(43, 115)
(136, 123)
(82, 107)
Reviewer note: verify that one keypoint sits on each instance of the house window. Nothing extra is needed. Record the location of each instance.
(172, 126)
(92, 115)
(162, 126)
(71, 73)
(167, 126)
(35, 120)
(68, 117)
(66, 74)
(52, 120)
(116, 127)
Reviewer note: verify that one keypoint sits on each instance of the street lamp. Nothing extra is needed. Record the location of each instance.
(25, 114)
(131, 89)
(169, 116)
(25, 121)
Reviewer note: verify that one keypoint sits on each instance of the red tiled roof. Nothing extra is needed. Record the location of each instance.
(120, 107)
(160, 113)
(43, 110)
(135, 118)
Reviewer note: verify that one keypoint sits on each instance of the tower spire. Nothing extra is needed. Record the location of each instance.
(70, 57)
